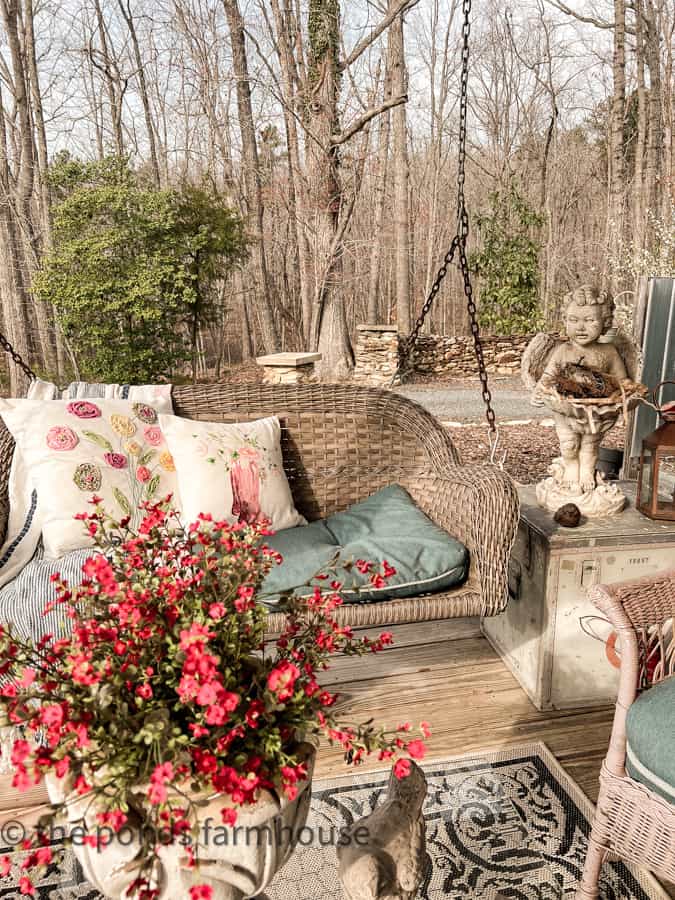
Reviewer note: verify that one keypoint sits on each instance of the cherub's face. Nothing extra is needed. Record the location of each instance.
(584, 324)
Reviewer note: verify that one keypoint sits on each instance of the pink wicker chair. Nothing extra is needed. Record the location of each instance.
(631, 821)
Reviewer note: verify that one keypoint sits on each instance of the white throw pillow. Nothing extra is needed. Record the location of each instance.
(233, 472)
(77, 448)
(24, 526)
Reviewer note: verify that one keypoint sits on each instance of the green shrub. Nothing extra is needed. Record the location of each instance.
(133, 269)
(508, 265)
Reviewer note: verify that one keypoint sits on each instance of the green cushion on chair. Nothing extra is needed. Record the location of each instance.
(386, 526)
(650, 729)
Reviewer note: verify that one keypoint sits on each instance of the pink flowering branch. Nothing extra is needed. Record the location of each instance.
(166, 681)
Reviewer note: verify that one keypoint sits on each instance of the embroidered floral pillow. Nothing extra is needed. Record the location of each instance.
(233, 472)
(76, 448)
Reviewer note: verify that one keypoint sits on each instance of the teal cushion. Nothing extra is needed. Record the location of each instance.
(650, 729)
(387, 526)
(306, 550)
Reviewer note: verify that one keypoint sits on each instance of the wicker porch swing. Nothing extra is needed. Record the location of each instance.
(341, 443)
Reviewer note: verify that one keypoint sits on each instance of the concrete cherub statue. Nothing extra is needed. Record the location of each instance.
(586, 381)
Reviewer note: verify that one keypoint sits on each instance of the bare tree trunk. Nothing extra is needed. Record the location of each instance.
(545, 201)
(654, 156)
(21, 233)
(15, 299)
(330, 334)
(668, 198)
(617, 167)
(115, 84)
(38, 117)
(56, 351)
(283, 20)
(251, 173)
(125, 9)
(549, 147)
(439, 79)
(399, 87)
(638, 176)
(380, 201)
(92, 91)
(247, 348)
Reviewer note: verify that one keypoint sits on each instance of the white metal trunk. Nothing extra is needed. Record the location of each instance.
(552, 638)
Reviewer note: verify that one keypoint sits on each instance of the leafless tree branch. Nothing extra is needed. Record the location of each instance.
(360, 122)
(401, 7)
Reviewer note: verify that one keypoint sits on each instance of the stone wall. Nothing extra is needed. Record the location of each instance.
(375, 354)
(436, 356)
(453, 357)
(289, 374)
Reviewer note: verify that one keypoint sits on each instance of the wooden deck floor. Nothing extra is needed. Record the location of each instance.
(447, 674)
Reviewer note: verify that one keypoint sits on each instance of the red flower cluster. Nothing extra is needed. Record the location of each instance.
(166, 680)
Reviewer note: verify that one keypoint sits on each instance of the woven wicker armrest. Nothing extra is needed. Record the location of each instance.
(479, 505)
(639, 603)
(6, 454)
(641, 612)
(4, 518)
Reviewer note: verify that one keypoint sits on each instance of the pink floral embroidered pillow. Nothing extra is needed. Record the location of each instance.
(76, 448)
(233, 472)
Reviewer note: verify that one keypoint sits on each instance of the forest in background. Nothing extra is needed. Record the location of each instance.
(330, 131)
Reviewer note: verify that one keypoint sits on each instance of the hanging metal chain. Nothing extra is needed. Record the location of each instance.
(458, 245)
(18, 359)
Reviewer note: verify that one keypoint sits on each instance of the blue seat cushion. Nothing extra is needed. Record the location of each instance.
(387, 526)
(650, 729)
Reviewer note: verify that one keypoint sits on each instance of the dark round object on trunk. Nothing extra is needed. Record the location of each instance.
(568, 515)
(609, 462)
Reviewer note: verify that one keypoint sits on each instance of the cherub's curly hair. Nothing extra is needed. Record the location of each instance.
(587, 295)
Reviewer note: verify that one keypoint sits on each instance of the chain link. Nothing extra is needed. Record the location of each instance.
(406, 351)
(18, 359)
(458, 245)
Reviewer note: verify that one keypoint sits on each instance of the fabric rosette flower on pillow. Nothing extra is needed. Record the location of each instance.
(145, 413)
(61, 438)
(84, 409)
(88, 477)
(116, 460)
(113, 448)
(153, 435)
(122, 425)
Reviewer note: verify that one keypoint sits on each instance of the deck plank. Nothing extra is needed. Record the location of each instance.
(472, 702)
(448, 675)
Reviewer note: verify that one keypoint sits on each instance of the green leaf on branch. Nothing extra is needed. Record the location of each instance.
(122, 501)
(153, 484)
(98, 439)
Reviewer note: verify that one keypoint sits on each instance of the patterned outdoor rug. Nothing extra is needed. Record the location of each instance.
(510, 823)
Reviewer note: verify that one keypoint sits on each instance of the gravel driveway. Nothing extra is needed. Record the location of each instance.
(465, 404)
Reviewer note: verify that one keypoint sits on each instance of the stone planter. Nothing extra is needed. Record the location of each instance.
(236, 861)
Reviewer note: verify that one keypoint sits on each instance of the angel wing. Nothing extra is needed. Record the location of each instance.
(535, 357)
(629, 353)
